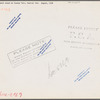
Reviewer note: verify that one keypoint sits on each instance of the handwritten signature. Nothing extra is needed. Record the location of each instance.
(62, 64)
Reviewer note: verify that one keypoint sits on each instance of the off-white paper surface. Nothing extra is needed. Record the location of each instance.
(50, 49)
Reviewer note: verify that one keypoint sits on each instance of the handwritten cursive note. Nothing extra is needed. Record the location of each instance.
(62, 64)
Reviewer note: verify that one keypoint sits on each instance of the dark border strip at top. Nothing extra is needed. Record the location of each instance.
(49, 0)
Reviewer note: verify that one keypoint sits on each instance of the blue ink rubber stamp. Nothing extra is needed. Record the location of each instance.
(82, 74)
(14, 21)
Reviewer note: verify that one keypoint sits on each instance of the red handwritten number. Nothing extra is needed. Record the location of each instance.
(20, 94)
(11, 94)
(15, 94)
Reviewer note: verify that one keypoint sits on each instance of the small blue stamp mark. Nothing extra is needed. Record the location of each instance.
(14, 21)
(44, 47)
(82, 74)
